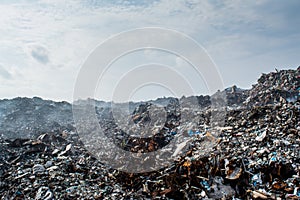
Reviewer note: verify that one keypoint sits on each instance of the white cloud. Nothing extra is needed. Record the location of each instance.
(40, 54)
(60, 36)
(4, 73)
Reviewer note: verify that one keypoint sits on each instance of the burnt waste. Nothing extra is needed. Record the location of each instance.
(255, 154)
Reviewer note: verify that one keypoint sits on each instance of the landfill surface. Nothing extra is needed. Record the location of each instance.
(255, 154)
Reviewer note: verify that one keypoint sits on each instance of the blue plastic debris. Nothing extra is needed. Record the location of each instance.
(297, 192)
(256, 179)
(206, 185)
(273, 159)
(191, 133)
(173, 133)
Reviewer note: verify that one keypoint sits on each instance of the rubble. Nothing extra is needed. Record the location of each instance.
(255, 156)
(44, 193)
(38, 169)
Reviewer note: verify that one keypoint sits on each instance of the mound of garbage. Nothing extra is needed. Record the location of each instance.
(255, 154)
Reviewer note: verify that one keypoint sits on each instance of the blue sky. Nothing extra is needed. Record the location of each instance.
(44, 43)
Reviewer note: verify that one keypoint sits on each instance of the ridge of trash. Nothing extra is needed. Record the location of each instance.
(255, 156)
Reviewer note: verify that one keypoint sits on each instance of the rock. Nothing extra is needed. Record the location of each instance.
(38, 169)
(234, 174)
(48, 164)
(259, 195)
(261, 137)
(44, 193)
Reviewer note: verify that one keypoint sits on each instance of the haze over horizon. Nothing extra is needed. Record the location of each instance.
(44, 43)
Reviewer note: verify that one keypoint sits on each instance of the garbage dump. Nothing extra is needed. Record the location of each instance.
(255, 155)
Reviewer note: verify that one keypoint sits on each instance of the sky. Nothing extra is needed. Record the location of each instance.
(45, 43)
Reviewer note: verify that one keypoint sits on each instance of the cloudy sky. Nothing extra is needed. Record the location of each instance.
(44, 43)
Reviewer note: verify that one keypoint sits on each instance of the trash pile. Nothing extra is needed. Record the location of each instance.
(28, 117)
(255, 155)
(279, 86)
